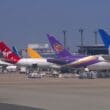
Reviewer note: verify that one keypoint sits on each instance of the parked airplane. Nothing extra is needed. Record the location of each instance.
(65, 58)
(105, 65)
(10, 56)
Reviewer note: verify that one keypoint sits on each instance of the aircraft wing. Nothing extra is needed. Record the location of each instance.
(3, 63)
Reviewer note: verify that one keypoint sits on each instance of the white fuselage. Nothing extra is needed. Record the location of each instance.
(100, 66)
(31, 61)
(40, 62)
(103, 65)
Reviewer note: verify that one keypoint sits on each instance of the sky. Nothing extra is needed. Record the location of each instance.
(28, 21)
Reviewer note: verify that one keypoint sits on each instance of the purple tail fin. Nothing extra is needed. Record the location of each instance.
(59, 49)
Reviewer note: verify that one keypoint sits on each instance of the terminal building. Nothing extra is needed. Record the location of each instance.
(93, 49)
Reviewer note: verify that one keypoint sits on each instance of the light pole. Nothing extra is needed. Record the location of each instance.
(64, 36)
(81, 32)
(95, 40)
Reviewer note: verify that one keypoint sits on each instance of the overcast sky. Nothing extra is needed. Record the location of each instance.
(28, 21)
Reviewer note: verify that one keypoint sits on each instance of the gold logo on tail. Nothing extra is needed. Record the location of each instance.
(58, 48)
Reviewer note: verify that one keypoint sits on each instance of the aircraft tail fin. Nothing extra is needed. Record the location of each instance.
(15, 51)
(105, 38)
(58, 48)
(8, 54)
(33, 54)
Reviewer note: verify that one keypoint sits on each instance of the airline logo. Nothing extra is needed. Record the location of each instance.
(6, 53)
(9, 55)
(58, 47)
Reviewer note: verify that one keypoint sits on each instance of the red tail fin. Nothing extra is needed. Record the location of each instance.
(8, 54)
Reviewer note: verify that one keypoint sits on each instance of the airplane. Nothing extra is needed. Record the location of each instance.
(10, 56)
(67, 59)
(33, 54)
(105, 65)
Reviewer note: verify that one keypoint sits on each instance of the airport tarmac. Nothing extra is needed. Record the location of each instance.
(17, 92)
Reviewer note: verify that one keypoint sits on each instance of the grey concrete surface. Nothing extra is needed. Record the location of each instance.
(55, 94)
